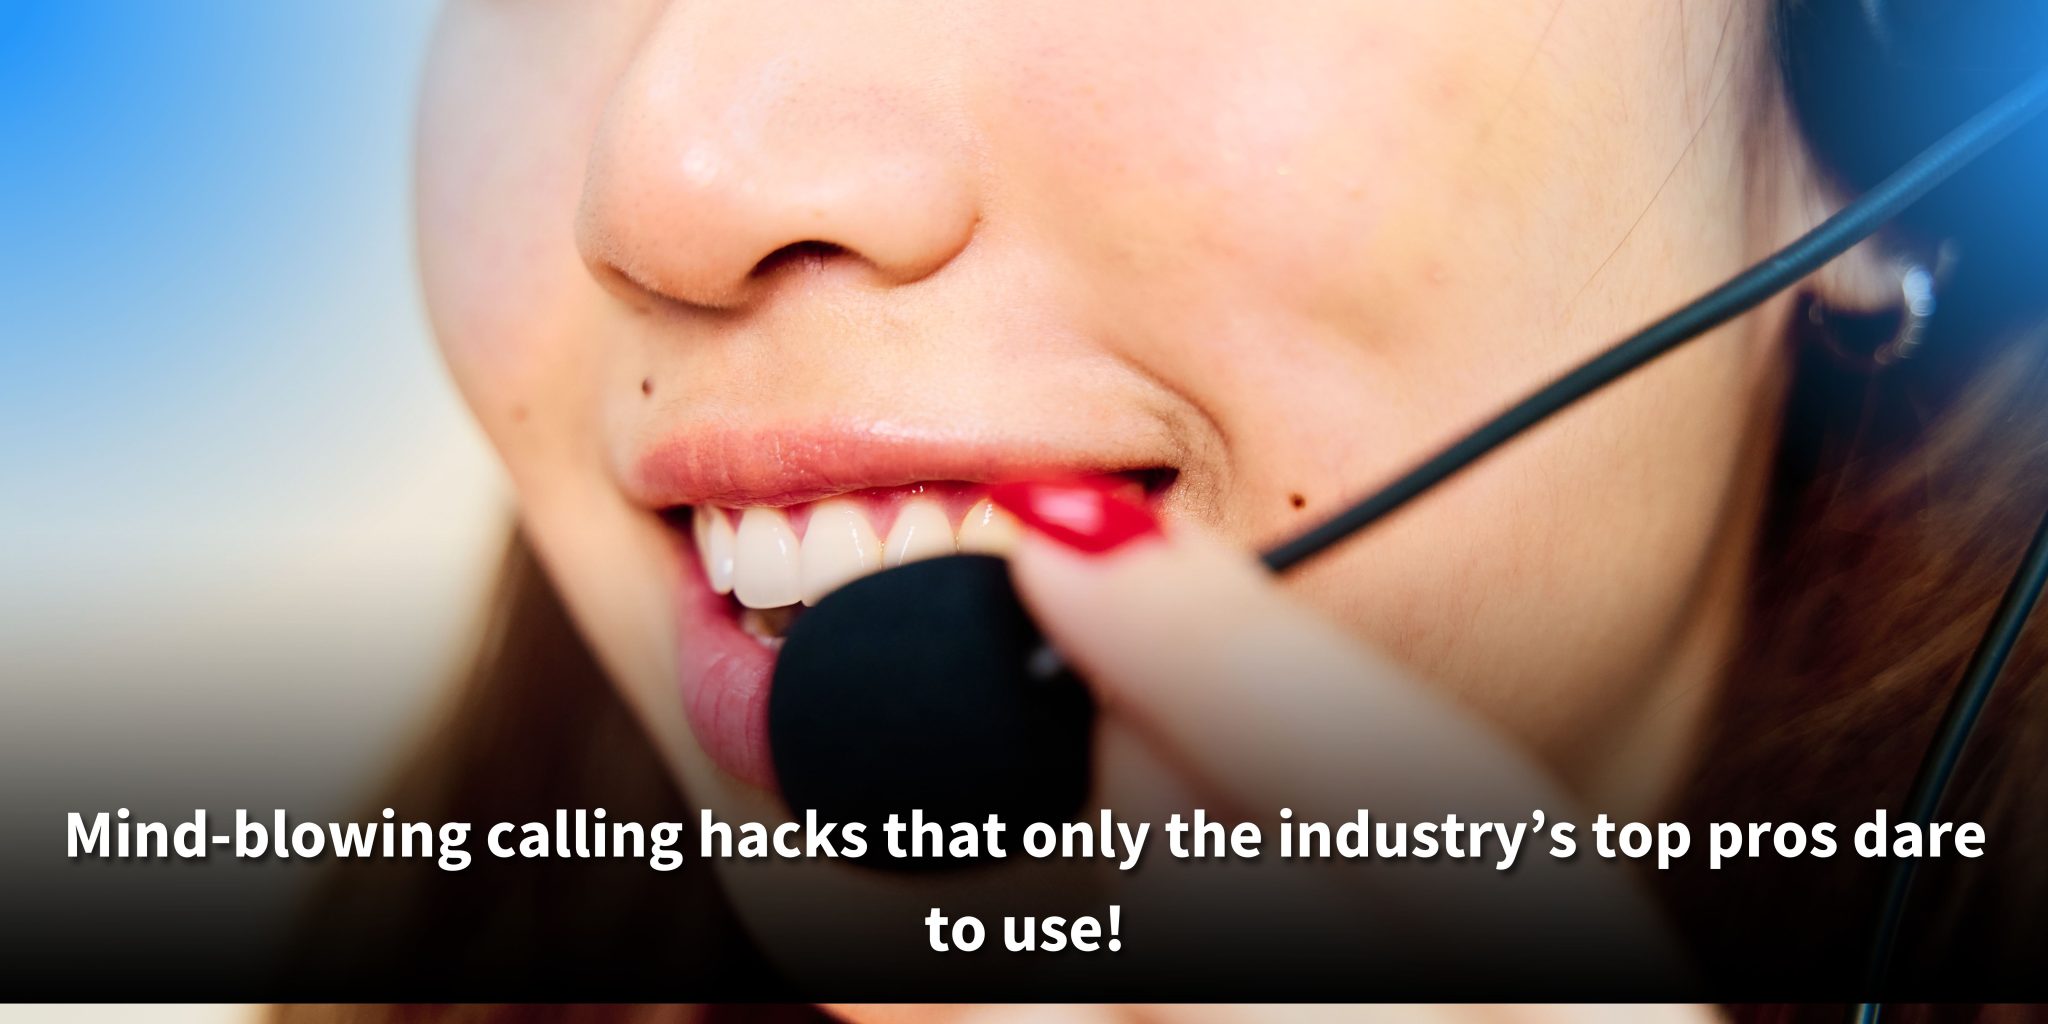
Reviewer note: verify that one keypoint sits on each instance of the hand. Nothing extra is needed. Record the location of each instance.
(1255, 703)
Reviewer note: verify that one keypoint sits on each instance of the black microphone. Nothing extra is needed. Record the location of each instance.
(912, 689)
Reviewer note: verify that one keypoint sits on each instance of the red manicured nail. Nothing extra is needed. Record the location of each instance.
(1082, 514)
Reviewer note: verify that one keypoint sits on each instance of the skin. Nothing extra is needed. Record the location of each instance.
(1294, 247)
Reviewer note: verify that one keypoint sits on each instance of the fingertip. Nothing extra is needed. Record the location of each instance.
(1088, 515)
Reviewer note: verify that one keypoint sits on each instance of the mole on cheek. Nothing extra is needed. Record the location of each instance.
(1297, 501)
(647, 385)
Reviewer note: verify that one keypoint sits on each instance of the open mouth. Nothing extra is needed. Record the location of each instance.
(754, 569)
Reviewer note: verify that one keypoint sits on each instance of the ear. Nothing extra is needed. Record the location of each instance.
(1864, 280)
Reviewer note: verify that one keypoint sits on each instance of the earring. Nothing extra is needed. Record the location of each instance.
(1873, 341)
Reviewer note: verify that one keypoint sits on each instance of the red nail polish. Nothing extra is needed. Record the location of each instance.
(1082, 514)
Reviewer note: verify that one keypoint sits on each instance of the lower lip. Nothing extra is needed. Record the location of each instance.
(725, 675)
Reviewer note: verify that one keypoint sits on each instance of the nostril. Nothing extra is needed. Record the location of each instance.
(798, 254)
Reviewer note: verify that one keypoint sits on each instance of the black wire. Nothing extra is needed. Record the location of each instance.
(1744, 291)
(1737, 295)
(1946, 749)
(1787, 266)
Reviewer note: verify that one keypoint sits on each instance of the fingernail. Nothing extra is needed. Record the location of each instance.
(1082, 514)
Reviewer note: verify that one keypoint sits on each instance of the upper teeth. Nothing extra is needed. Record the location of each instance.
(763, 563)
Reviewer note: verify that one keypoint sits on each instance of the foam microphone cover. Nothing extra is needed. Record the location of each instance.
(909, 690)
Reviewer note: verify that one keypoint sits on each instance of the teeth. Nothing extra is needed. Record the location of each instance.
(988, 530)
(763, 564)
(765, 560)
(921, 531)
(839, 545)
(714, 547)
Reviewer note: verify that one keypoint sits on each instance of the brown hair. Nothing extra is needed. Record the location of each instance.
(534, 726)
(1901, 507)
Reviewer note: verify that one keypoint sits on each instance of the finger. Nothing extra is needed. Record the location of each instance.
(1195, 643)
(1271, 707)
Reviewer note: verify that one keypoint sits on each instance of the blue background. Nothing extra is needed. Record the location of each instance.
(235, 484)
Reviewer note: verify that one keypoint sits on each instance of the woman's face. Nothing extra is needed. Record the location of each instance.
(1258, 257)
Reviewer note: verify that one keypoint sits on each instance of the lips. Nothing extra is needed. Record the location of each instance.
(770, 525)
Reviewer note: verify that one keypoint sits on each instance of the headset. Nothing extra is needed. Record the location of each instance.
(970, 683)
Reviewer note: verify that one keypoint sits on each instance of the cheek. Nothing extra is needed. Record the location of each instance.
(1561, 586)
(1298, 212)
(513, 96)
(1347, 233)
(1300, 156)
(509, 106)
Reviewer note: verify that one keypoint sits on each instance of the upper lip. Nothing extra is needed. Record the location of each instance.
(728, 465)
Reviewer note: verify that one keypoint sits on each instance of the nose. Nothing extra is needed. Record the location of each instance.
(745, 139)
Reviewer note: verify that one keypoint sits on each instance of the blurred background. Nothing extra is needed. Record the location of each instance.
(232, 456)
(244, 520)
